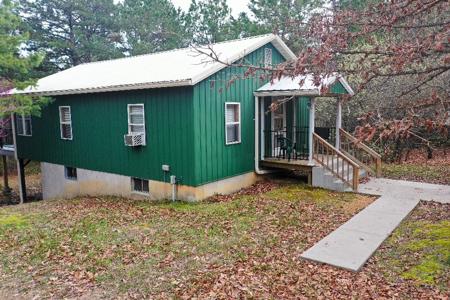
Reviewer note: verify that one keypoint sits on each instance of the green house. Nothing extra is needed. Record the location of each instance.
(173, 124)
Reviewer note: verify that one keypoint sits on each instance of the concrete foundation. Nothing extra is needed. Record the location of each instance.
(94, 183)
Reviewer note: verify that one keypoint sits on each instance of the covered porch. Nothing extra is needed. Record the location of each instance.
(286, 118)
(286, 135)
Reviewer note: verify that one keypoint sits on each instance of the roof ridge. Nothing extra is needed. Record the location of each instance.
(173, 50)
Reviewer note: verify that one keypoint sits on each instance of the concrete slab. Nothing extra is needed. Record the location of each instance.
(379, 222)
(352, 244)
(387, 205)
(348, 249)
(407, 189)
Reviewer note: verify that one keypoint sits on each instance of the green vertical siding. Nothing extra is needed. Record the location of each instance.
(338, 88)
(213, 159)
(99, 122)
(302, 115)
(185, 129)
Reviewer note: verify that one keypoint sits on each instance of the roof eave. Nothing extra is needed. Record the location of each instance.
(346, 86)
(124, 87)
(277, 42)
(287, 93)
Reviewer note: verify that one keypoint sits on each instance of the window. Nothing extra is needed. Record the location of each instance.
(279, 118)
(136, 118)
(232, 123)
(267, 57)
(139, 185)
(65, 121)
(23, 125)
(70, 173)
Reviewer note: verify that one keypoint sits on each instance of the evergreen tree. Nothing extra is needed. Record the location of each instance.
(15, 66)
(284, 17)
(152, 25)
(72, 32)
(210, 21)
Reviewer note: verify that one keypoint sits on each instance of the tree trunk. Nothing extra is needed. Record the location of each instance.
(6, 188)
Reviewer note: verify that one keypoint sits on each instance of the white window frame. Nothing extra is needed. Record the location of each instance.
(268, 57)
(61, 123)
(233, 123)
(129, 118)
(23, 119)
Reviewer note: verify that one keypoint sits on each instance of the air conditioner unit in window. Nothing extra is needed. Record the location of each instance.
(134, 139)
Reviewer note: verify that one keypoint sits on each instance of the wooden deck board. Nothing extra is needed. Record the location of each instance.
(285, 164)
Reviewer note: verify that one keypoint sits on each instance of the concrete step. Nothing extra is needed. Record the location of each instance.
(324, 178)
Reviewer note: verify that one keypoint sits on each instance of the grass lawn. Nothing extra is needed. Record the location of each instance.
(247, 246)
(439, 174)
(419, 249)
(419, 168)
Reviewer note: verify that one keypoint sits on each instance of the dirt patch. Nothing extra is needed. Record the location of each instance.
(34, 189)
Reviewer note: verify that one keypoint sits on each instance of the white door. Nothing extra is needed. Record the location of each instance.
(278, 126)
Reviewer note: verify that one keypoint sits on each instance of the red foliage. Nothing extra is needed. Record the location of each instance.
(391, 39)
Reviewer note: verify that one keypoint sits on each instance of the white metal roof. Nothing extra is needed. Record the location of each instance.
(179, 67)
(291, 85)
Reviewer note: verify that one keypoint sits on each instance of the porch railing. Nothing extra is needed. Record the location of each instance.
(327, 133)
(289, 143)
(335, 161)
(362, 154)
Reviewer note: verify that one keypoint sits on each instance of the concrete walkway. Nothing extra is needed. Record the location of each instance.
(352, 244)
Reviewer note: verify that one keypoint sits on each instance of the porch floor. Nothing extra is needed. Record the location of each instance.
(284, 163)
(297, 163)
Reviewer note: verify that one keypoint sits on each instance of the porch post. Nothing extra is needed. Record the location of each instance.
(20, 165)
(338, 121)
(21, 179)
(263, 117)
(256, 132)
(312, 117)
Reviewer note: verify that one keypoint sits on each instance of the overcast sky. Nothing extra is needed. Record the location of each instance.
(236, 6)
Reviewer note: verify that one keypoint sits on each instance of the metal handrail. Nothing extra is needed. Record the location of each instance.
(365, 156)
(330, 157)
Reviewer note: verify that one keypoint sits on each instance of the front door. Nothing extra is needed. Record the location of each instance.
(278, 128)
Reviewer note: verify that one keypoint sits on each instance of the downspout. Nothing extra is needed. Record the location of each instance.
(173, 182)
(312, 119)
(338, 122)
(257, 169)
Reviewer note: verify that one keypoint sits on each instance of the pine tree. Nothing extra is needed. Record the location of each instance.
(16, 66)
(210, 21)
(72, 32)
(151, 26)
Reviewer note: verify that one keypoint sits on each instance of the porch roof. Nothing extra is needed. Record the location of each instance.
(291, 86)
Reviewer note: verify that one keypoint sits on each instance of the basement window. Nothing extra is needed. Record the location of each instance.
(70, 173)
(23, 125)
(65, 122)
(232, 123)
(139, 185)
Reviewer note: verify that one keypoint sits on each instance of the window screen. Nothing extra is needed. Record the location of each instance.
(139, 185)
(136, 118)
(65, 121)
(23, 125)
(232, 123)
(267, 57)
